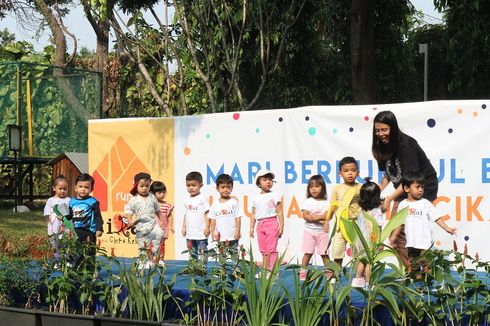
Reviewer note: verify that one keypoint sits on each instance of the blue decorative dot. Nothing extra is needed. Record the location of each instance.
(280, 119)
(466, 238)
(257, 130)
(351, 129)
(431, 123)
(334, 130)
(312, 131)
(450, 130)
(307, 118)
(483, 106)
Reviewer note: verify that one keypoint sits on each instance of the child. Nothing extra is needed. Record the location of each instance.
(267, 213)
(195, 227)
(348, 171)
(143, 206)
(370, 203)
(225, 215)
(159, 190)
(314, 210)
(55, 225)
(417, 223)
(85, 211)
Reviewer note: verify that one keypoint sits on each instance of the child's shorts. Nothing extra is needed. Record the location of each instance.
(315, 240)
(339, 244)
(151, 240)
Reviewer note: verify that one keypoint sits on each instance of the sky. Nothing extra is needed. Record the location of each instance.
(78, 25)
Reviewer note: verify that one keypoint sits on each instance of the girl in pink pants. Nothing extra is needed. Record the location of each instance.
(267, 214)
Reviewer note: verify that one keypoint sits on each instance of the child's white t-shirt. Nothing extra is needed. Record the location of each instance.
(265, 205)
(54, 224)
(418, 222)
(315, 207)
(225, 215)
(195, 209)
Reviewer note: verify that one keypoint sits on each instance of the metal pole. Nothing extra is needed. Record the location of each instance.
(424, 48)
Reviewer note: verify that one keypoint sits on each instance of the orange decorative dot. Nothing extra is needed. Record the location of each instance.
(475, 114)
(460, 110)
(187, 150)
(438, 243)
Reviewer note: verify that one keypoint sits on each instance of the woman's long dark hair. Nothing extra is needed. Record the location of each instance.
(383, 152)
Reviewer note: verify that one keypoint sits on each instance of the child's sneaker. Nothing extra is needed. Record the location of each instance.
(358, 282)
(302, 274)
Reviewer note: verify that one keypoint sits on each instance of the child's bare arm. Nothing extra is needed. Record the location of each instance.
(394, 235)
(252, 223)
(206, 228)
(280, 218)
(238, 228)
(183, 227)
(445, 227)
(214, 234)
(171, 221)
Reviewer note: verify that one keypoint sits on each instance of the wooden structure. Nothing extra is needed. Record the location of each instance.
(70, 165)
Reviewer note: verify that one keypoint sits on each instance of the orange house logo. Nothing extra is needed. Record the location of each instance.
(114, 176)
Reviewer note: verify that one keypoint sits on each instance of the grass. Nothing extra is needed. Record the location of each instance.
(18, 231)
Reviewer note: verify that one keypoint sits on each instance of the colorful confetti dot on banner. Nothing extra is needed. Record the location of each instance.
(257, 130)
(375, 108)
(208, 136)
(187, 150)
(366, 118)
(459, 110)
(483, 106)
(348, 252)
(281, 119)
(351, 129)
(466, 238)
(334, 130)
(307, 118)
(438, 243)
(431, 123)
(450, 130)
(312, 131)
(475, 114)
(236, 116)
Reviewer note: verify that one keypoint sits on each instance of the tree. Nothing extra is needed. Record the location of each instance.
(6, 37)
(468, 46)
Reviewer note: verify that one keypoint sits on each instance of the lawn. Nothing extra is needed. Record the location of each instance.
(22, 234)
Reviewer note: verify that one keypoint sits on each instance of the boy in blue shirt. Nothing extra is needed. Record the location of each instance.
(85, 212)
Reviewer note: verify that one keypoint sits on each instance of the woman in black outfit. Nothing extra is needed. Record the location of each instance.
(396, 154)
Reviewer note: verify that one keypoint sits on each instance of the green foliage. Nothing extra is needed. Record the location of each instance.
(468, 49)
(18, 281)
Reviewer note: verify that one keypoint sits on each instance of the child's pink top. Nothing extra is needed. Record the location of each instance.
(165, 211)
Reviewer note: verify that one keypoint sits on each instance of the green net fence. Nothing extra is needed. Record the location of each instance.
(51, 104)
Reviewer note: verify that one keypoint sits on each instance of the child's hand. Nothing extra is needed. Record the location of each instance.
(206, 232)
(98, 234)
(280, 230)
(62, 228)
(183, 232)
(251, 232)
(172, 229)
(326, 227)
(237, 235)
(452, 231)
(216, 236)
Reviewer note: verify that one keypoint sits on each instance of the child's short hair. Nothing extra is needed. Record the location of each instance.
(347, 160)
(409, 178)
(85, 177)
(369, 195)
(158, 186)
(57, 179)
(224, 179)
(194, 176)
(317, 179)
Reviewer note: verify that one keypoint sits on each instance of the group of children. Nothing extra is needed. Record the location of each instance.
(151, 216)
(82, 211)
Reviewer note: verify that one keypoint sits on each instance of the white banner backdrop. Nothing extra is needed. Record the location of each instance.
(298, 143)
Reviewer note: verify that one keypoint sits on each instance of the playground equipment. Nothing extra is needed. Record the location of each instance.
(49, 108)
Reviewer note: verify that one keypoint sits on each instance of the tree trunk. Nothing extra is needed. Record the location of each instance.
(58, 35)
(362, 52)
